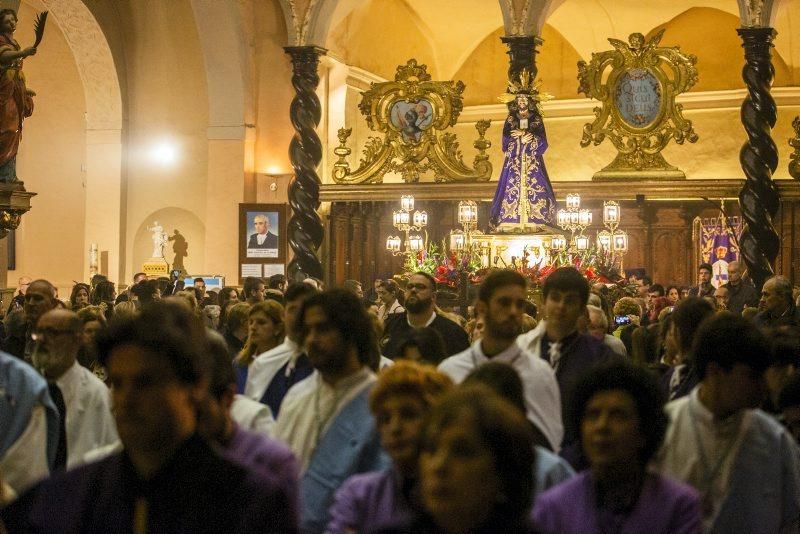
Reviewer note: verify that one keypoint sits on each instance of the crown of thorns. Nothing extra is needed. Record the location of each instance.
(525, 85)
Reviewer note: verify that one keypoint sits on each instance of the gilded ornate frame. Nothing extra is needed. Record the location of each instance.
(639, 148)
(431, 149)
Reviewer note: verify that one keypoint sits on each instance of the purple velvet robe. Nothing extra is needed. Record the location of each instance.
(369, 502)
(665, 506)
(523, 164)
(269, 458)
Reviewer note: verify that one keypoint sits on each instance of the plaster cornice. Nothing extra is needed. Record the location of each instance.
(582, 107)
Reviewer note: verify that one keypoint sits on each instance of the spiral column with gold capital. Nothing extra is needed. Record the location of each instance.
(305, 230)
(759, 199)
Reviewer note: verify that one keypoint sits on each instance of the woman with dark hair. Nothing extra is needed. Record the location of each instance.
(474, 447)
(620, 413)
(94, 322)
(79, 298)
(104, 294)
(673, 295)
(424, 345)
(227, 295)
(400, 400)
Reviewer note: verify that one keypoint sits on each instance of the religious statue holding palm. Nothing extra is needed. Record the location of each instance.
(16, 100)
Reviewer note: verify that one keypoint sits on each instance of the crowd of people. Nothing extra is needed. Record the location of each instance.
(289, 407)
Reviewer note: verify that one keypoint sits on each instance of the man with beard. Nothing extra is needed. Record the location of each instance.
(325, 419)
(420, 311)
(82, 399)
(501, 304)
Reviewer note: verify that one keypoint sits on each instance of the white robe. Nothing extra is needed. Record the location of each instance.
(89, 423)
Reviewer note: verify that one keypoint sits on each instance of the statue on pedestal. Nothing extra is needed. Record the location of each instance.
(16, 100)
(524, 200)
(160, 239)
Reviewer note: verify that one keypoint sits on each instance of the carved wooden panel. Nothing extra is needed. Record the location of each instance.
(360, 230)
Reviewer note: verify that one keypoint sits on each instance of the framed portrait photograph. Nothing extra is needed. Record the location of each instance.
(262, 235)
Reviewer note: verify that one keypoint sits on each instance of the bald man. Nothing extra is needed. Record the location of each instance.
(741, 293)
(84, 407)
(40, 297)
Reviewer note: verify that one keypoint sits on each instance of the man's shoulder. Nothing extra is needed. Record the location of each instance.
(396, 321)
(455, 337)
(15, 372)
(281, 353)
(266, 447)
(444, 323)
(768, 424)
(74, 488)
(676, 407)
(91, 381)
(298, 395)
(458, 365)
(560, 495)
(592, 347)
(364, 483)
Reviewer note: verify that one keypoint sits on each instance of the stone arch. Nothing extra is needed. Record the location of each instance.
(714, 47)
(104, 110)
(527, 17)
(95, 62)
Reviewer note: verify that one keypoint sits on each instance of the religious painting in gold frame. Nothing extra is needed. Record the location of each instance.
(414, 113)
(636, 84)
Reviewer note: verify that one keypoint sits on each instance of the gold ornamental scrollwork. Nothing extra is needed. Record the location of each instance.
(9, 220)
(414, 113)
(794, 157)
(638, 112)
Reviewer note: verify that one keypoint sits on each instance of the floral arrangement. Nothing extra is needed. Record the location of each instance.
(448, 267)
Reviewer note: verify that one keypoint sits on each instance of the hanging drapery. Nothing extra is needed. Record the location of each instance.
(716, 241)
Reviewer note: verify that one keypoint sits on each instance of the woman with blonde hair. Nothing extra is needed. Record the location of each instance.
(400, 402)
(265, 331)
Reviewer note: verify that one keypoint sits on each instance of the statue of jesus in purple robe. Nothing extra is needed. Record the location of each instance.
(524, 198)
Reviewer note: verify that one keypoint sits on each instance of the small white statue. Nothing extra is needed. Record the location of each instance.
(159, 239)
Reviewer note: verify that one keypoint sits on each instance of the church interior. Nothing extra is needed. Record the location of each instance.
(179, 112)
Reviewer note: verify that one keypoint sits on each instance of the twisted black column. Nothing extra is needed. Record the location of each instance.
(305, 152)
(522, 53)
(759, 198)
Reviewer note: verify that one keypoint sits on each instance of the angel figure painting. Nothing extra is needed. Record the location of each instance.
(412, 118)
(524, 198)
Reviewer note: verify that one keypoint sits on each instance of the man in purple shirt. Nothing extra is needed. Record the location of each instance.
(268, 457)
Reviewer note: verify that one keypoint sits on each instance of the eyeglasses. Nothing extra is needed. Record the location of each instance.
(418, 287)
(41, 333)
